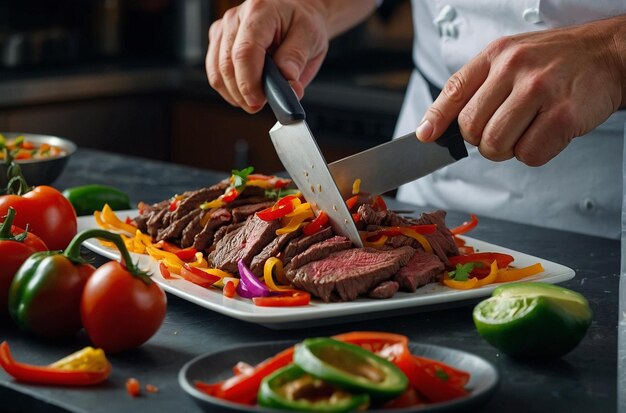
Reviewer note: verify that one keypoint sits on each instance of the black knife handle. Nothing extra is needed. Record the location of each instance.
(453, 140)
(280, 96)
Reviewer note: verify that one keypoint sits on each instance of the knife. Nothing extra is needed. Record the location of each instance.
(402, 160)
(298, 151)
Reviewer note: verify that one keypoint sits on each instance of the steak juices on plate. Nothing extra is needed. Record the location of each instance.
(324, 264)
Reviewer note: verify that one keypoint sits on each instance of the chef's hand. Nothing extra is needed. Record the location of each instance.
(527, 96)
(296, 31)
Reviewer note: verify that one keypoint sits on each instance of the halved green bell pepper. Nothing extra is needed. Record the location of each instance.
(291, 388)
(89, 198)
(351, 367)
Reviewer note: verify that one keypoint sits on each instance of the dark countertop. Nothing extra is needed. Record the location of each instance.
(582, 381)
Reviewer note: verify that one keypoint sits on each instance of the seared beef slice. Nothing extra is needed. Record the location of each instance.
(320, 251)
(422, 269)
(349, 273)
(243, 243)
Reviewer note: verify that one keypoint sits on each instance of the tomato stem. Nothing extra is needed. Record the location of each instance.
(72, 252)
(15, 176)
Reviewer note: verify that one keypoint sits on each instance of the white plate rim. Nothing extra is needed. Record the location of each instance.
(244, 309)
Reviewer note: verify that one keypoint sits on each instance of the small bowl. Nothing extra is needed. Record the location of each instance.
(39, 171)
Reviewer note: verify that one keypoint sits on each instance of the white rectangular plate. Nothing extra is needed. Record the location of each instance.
(319, 312)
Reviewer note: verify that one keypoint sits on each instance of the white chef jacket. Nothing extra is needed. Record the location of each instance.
(580, 190)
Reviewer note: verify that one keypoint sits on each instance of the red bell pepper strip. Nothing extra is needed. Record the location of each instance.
(351, 202)
(30, 373)
(243, 388)
(284, 299)
(379, 202)
(317, 224)
(165, 272)
(229, 289)
(485, 259)
(187, 254)
(281, 208)
(466, 226)
(197, 276)
(230, 195)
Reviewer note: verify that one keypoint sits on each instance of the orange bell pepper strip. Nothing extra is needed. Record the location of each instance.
(466, 226)
(460, 285)
(291, 298)
(491, 277)
(69, 371)
(516, 274)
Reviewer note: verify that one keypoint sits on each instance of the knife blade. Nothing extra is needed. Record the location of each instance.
(402, 160)
(300, 155)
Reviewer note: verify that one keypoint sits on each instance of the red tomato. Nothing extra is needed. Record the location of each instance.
(47, 213)
(120, 311)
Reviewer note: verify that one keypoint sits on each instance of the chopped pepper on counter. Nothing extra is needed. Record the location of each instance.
(86, 367)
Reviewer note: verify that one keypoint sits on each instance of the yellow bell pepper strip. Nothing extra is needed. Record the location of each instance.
(409, 232)
(460, 285)
(374, 243)
(216, 203)
(516, 274)
(295, 219)
(356, 186)
(110, 218)
(97, 215)
(466, 226)
(268, 274)
(83, 368)
(491, 277)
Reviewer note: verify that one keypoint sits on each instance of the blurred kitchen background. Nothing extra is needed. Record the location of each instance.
(128, 76)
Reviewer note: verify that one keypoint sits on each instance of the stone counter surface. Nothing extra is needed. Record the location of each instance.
(582, 381)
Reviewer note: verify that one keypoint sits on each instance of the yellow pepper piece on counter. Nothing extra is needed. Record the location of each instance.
(87, 359)
(356, 186)
(516, 274)
(268, 274)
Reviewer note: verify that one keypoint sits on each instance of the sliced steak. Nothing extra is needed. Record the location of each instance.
(191, 230)
(226, 229)
(298, 245)
(346, 274)
(385, 289)
(272, 250)
(204, 238)
(320, 250)
(243, 243)
(241, 213)
(381, 218)
(141, 222)
(155, 222)
(175, 229)
(422, 269)
(246, 201)
(442, 241)
(193, 199)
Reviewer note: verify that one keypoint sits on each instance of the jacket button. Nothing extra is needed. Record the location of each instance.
(588, 205)
(532, 16)
(444, 22)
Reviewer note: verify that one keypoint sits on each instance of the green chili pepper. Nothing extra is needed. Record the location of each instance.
(291, 388)
(89, 198)
(45, 294)
(350, 367)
